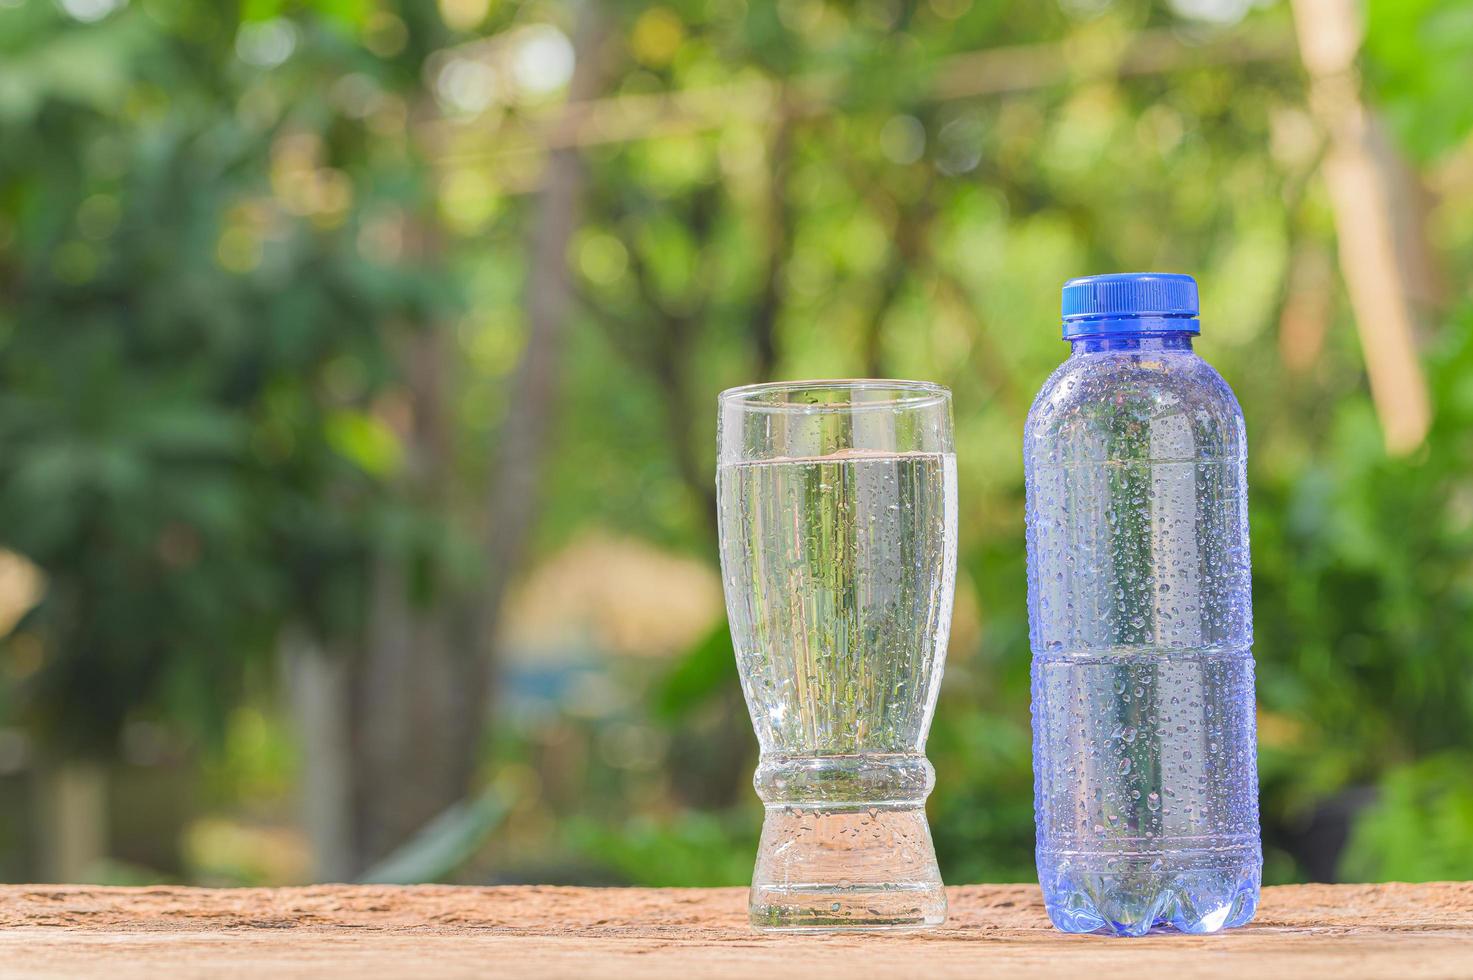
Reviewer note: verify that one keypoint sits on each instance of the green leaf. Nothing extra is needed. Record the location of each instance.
(442, 845)
(365, 440)
(707, 669)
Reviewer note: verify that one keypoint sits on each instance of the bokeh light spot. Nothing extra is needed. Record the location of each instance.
(903, 139)
(88, 11)
(950, 9)
(602, 258)
(384, 34)
(544, 60)
(656, 36)
(266, 43)
(468, 201)
(464, 15)
(238, 250)
(466, 85)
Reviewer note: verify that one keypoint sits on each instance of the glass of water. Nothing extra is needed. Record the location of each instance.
(837, 505)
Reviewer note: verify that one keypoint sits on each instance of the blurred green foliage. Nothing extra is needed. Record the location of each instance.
(700, 851)
(1419, 829)
(188, 359)
(1419, 67)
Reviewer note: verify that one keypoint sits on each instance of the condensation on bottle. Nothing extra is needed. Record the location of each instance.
(1145, 763)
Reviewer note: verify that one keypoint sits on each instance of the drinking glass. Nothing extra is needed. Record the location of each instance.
(837, 507)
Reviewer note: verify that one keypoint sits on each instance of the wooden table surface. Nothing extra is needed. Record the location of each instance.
(1306, 931)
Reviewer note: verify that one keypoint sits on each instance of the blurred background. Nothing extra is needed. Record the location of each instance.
(358, 363)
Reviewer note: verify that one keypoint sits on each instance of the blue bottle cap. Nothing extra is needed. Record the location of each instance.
(1130, 303)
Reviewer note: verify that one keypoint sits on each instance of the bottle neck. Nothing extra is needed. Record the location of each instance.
(1171, 340)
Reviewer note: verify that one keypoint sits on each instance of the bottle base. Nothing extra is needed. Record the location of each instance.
(1135, 903)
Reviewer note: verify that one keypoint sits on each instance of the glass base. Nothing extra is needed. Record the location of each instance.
(846, 868)
(820, 909)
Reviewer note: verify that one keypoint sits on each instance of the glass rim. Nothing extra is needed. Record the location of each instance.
(913, 395)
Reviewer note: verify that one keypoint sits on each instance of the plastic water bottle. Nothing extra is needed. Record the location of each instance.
(1145, 763)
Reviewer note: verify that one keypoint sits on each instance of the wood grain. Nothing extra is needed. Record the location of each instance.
(1394, 930)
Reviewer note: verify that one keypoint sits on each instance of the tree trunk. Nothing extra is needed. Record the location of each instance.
(1383, 258)
(72, 819)
(418, 715)
(318, 694)
(392, 735)
(511, 500)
